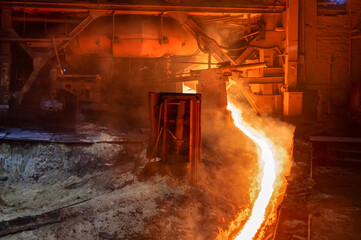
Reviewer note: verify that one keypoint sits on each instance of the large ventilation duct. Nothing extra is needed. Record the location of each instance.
(134, 36)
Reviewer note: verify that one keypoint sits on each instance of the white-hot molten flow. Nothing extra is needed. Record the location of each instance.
(268, 176)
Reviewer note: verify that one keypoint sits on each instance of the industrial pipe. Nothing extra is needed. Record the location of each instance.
(245, 66)
(16, 39)
(233, 68)
(179, 126)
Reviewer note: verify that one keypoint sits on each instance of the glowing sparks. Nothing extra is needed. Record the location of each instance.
(269, 176)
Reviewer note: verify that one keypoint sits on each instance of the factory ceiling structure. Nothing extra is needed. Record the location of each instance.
(277, 35)
(254, 33)
(196, 90)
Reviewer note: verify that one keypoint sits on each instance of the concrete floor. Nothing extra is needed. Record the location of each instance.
(326, 206)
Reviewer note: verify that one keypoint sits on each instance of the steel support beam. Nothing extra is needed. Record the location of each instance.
(292, 44)
(201, 8)
(40, 59)
(5, 60)
(246, 54)
(22, 44)
(292, 100)
(190, 26)
(41, 19)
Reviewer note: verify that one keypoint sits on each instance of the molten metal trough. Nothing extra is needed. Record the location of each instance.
(269, 176)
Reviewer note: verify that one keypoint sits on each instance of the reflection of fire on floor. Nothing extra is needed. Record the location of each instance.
(326, 206)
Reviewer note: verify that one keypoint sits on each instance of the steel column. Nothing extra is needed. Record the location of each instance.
(5, 60)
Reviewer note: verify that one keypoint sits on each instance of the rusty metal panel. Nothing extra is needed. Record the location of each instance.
(292, 103)
(317, 72)
(212, 85)
(263, 104)
(291, 74)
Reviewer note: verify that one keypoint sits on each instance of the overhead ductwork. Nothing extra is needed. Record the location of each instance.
(134, 36)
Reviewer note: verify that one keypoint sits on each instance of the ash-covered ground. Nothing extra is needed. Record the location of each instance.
(99, 191)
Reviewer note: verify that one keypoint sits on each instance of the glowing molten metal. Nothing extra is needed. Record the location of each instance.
(269, 176)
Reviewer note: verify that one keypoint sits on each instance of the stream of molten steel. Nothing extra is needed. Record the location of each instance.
(268, 161)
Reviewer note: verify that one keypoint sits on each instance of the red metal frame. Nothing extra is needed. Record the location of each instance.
(176, 119)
